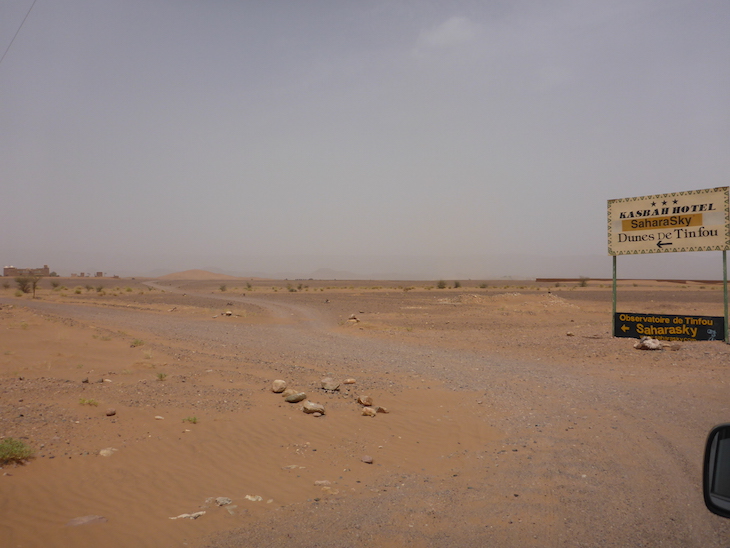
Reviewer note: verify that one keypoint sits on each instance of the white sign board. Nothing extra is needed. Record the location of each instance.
(695, 220)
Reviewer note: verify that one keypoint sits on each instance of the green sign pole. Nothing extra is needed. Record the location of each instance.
(724, 287)
(614, 297)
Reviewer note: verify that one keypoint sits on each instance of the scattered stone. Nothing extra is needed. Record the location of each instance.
(365, 400)
(106, 380)
(228, 313)
(570, 334)
(108, 452)
(369, 411)
(330, 384)
(254, 498)
(86, 520)
(349, 381)
(353, 318)
(311, 407)
(367, 459)
(223, 501)
(296, 397)
(111, 412)
(647, 343)
(278, 386)
(322, 483)
(380, 409)
(159, 418)
(84, 381)
(196, 515)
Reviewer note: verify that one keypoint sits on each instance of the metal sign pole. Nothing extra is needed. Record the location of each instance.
(614, 298)
(724, 286)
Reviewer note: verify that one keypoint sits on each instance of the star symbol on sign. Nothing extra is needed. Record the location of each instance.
(664, 202)
(653, 204)
(674, 201)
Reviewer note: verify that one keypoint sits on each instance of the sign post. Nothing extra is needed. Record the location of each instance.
(695, 220)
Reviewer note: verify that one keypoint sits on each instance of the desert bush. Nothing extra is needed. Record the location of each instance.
(583, 281)
(23, 283)
(441, 284)
(191, 420)
(483, 286)
(136, 343)
(85, 401)
(223, 287)
(457, 284)
(6, 285)
(18, 293)
(14, 451)
(161, 376)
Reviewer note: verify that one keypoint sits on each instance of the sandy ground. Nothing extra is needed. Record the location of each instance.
(515, 419)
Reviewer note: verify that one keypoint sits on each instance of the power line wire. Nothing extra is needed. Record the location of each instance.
(16, 32)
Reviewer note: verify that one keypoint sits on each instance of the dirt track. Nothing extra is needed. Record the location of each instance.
(557, 434)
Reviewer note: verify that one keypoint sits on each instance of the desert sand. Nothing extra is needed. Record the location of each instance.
(514, 417)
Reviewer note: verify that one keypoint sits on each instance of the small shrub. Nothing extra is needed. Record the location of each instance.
(18, 293)
(457, 284)
(128, 290)
(23, 283)
(191, 420)
(483, 286)
(583, 281)
(77, 291)
(249, 287)
(223, 288)
(441, 284)
(84, 401)
(161, 376)
(99, 288)
(14, 451)
(88, 287)
(55, 284)
(136, 343)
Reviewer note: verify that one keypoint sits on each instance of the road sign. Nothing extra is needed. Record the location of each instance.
(695, 220)
(668, 327)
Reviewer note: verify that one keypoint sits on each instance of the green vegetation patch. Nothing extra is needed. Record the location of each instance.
(14, 451)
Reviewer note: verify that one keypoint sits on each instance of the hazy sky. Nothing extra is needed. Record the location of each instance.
(416, 138)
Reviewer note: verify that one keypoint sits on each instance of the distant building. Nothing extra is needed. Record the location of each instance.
(13, 271)
(99, 274)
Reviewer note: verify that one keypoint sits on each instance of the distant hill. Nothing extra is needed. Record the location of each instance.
(197, 275)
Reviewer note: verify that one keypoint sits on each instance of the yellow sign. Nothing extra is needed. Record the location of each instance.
(696, 220)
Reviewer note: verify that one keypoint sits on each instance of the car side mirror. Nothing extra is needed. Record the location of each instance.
(716, 471)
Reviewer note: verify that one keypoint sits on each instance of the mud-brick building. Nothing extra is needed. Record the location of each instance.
(13, 271)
